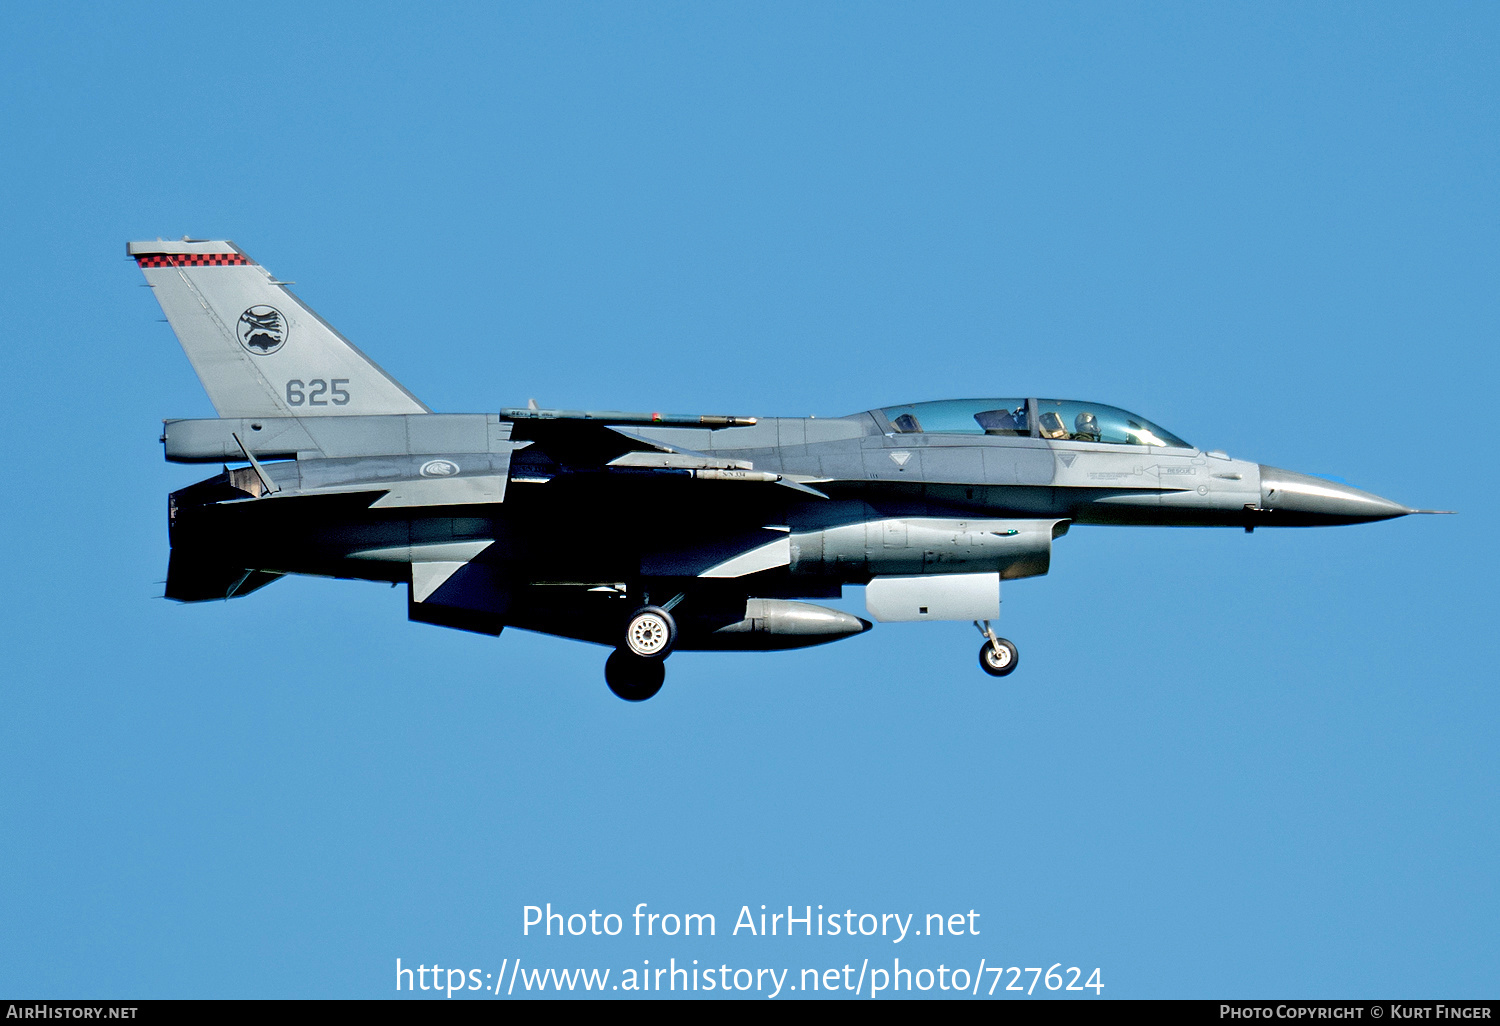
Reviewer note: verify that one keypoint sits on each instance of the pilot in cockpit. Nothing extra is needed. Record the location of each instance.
(1086, 427)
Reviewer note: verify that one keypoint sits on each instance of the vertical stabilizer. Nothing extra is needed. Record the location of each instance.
(257, 348)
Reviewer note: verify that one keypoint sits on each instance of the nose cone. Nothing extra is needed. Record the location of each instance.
(1300, 500)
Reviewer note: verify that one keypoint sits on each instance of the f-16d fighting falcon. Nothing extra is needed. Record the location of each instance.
(649, 533)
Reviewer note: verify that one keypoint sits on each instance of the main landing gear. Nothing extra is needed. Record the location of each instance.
(635, 671)
(650, 633)
(633, 678)
(997, 656)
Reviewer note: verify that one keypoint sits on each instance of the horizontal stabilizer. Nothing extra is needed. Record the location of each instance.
(194, 580)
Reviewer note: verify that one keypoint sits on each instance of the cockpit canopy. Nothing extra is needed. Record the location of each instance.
(1062, 419)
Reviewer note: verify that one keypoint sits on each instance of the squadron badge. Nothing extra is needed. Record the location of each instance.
(262, 330)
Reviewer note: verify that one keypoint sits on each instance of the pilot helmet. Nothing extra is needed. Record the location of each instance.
(1086, 424)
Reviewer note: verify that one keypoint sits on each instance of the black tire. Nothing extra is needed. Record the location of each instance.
(632, 678)
(650, 633)
(1005, 664)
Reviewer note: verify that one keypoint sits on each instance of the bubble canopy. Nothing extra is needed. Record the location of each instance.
(1057, 419)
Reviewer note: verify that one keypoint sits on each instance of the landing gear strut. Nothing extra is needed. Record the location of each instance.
(997, 656)
(633, 678)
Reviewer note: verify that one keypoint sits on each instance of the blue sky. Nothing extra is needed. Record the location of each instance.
(1229, 764)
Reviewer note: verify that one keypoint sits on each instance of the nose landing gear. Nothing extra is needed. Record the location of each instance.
(997, 656)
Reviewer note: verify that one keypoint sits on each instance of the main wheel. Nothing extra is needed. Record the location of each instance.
(998, 664)
(650, 633)
(632, 678)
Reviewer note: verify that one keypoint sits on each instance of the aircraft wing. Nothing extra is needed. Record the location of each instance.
(591, 447)
(580, 443)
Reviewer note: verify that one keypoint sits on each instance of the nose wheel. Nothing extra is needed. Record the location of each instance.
(997, 656)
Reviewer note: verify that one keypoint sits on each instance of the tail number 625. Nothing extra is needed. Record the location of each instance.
(317, 392)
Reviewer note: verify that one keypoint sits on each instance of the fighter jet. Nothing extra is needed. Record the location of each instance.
(649, 533)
